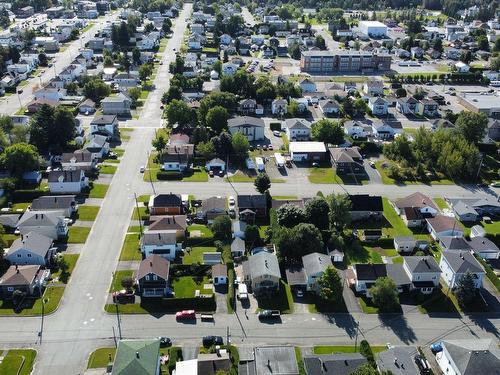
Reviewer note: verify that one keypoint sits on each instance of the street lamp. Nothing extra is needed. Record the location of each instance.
(44, 301)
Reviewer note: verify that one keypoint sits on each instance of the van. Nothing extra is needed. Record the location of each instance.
(242, 291)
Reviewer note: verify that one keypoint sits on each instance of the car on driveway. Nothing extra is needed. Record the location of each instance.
(276, 133)
(212, 340)
(123, 295)
(232, 201)
(269, 314)
(185, 315)
(165, 341)
(372, 164)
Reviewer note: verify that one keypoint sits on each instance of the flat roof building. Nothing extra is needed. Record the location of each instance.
(486, 103)
(328, 62)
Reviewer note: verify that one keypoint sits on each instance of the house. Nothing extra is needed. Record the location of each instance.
(373, 88)
(48, 223)
(211, 208)
(428, 108)
(405, 244)
(215, 165)
(225, 39)
(237, 247)
(347, 160)
(105, 125)
(262, 273)
(407, 105)
(165, 204)
(9, 221)
(297, 129)
(477, 231)
(79, 159)
(398, 360)
(386, 129)
(443, 226)
(152, 276)
(329, 107)
(307, 85)
(337, 256)
(338, 364)
(365, 275)
(307, 151)
(366, 207)
(423, 272)
(161, 242)
(137, 357)
(415, 208)
(229, 69)
(86, 107)
(455, 264)
(247, 106)
(32, 177)
(315, 264)
(378, 106)
(357, 129)
(67, 181)
(269, 360)
(30, 279)
(469, 357)
(252, 205)
(417, 52)
(462, 67)
(65, 203)
(118, 104)
(49, 93)
(251, 127)
(468, 208)
(279, 107)
(177, 223)
(98, 146)
(32, 248)
(480, 246)
(219, 274)
(211, 258)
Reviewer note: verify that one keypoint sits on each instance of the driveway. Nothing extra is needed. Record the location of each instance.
(221, 300)
(350, 299)
(372, 173)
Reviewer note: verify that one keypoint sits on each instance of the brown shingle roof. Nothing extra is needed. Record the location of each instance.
(175, 222)
(19, 275)
(154, 264)
(415, 200)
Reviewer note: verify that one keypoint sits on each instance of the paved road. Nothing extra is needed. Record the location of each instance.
(11, 104)
(247, 16)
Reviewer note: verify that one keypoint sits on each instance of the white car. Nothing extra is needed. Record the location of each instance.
(232, 201)
(142, 168)
(277, 133)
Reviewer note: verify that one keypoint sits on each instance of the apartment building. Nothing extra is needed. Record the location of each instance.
(327, 62)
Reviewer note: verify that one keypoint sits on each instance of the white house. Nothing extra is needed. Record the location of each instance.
(405, 244)
(225, 39)
(374, 29)
(31, 248)
(444, 226)
(49, 93)
(215, 165)
(407, 105)
(373, 88)
(251, 127)
(278, 107)
(106, 125)
(423, 272)
(118, 104)
(315, 264)
(70, 181)
(162, 242)
(357, 129)
(48, 223)
(462, 67)
(298, 129)
(455, 264)
(329, 107)
(219, 274)
(378, 106)
(386, 130)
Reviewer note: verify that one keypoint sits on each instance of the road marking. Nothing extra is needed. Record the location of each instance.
(85, 323)
(92, 319)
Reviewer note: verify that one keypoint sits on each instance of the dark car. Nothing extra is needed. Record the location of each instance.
(165, 341)
(269, 314)
(212, 340)
(123, 295)
(422, 364)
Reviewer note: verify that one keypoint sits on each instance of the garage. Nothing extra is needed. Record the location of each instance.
(307, 151)
(300, 157)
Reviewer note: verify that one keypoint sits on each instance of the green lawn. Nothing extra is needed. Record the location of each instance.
(88, 27)
(199, 175)
(52, 294)
(282, 301)
(240, 177)
(437, 302)
(130, 248)
(98, 191)
(284, 197)
(71, 259)
(202, 230)
(100, 357)
(118, 276)
(331, 349)
(87, 213)
(20, 206)
(393, 218)
(78, 234)
(118, 151)
(195, 255)
(367, 306)
(441, 203)
(134, 229)
(107, 169)
(185, 286)
(18, 362)
(323, 176)
(143, 213)
(300, 361)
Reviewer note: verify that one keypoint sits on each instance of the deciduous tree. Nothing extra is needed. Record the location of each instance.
(262, 182)
(385, 294)
(330, 285)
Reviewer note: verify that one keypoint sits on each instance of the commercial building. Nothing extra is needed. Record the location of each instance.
(486, 103)
(374, 29)
(328, 62)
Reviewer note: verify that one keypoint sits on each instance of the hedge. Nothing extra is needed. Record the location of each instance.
(490, 274)
(366, 351)
(199, 241)
(175, 355)
(27, 195)
(199, 304)
(179, 270)
(275, 126)
(170, 175)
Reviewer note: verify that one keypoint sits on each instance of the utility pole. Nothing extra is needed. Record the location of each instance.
(118, 320)
(44, 301)
(227, 336)
(138, 213)
(150, 178)
(357, 332)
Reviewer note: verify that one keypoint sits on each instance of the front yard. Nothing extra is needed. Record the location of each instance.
(282, 301)
(107, 169)
(118, 276)
(101, 357)
(17, 361)
(32, 307)
(98, 190)
(78, 234)
(87, 213)
(131, 248)
(71, 260)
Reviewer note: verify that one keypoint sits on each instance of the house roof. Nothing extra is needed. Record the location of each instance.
(412, 213)
(415, 200)
(462, 208)
(213, 204)
(251, 201)
(397, 273)
(78, 156)
(454, 243)
(181, 149)
(374, 84)
(210, 364)
(10, 220)
(219, 270)
(237, 245)
(462, 261)
(155, 264)
(338, 364)
(370, 271)
(40, 218)
(159, 237)
(136, 357)
(19, 275)
(178, 138)
(316, 263)
(399, 360)
(166, 200)
(245, 121)
(365, 202)
(212, 256)
(421, 264)
(51, 202)
(34, 242)
(482, 244)
(103, 120)
(345, 154)
(175, 222)
(296, 276)
(73, 175)
(441, 223)
(297, 123)
(329, 104)
(377, 100)
(299, 147)
(271, 360)
(264, 263)
(479, 356)
(404, 239)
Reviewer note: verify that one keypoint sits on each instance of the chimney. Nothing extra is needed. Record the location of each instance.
(137, 354)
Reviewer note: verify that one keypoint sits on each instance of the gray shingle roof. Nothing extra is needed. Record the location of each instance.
(316, 263)
(52, 202)
(264, 263)
(421, 264)
(159, 237)
(34, 242)
(337, 364)
(462, 261)
(245, 121)
(474, 357)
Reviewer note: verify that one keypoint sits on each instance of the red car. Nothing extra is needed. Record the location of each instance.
(185, 314)
(123, 295)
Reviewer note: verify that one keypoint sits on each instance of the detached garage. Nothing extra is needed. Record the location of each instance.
(307, 151)
(216, 165)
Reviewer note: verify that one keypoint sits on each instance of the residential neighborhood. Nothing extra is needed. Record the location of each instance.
(255, 188)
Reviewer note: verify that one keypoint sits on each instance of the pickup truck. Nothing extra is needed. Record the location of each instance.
(269, 314)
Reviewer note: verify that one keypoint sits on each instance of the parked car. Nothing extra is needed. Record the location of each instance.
(142, 168)
(372, 164)
(211, 173)
(299, 293)
(436, 347)
(123, 295)
(269, 314)
(232, 201)
(165, 341)
(422, 364)
(212, 340)
(277, 133)
(270, 147)
(495, 184)
(185, 315)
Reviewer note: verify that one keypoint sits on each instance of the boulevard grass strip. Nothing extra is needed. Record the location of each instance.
(134, 229)
(331, 349)
(78, 234)
(441, 203)
(125, 133)
(130, 248)
(195, 255)
(52, 294)
(199, 175)
(141, 214)
(87, 213)
(98, 191)
(324, 175)
(118, 276)
(240, 177)
(300, 361)
(71, 260)
(107, 169)
(118, 151)
(18, 362)
(100, 357)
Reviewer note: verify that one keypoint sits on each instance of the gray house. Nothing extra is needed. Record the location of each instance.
(262, 273)
(31, 248)
(315, 264)
(118, 104)
(251, 127)
(65, 203)
(423, 272)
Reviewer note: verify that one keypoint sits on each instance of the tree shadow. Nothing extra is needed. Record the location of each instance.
(399, 325)
(483, 321)
(345, 322)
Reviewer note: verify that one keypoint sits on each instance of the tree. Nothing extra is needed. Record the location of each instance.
(438, 45)
(127, 283)
(340, 207)
(42, 59)
(145, 71)
(19, 158)
(294, 51)
(495, 62)
(327, 131)
(62, 130)
(75, 33)
(240, 146)
(305, 239)
(167, 24)
(174, 92)
(262, 182)
(206, 150)
(316, 212)
(360, 107)
(465, 290)
(217, 118)
(136, 56)
(6, 123)
(483, 43)
(367, 369)
(71, 88)
(320, 42)
(400, 92)
(96, 90)
(466, 57)
(330, 285)
(290, 215)
(134, 93)
(159, 143)
(385, 294)
(252, 236)
(293, 108)
(472, 126)
(178, 112)
(348, 107)
(222, 144)
(221, 228)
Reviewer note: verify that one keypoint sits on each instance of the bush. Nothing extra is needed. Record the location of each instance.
(169, 175)
(366, 350)
(179, 270)
(27, 195)
(197, 304)
(275, 126)
(175, 355)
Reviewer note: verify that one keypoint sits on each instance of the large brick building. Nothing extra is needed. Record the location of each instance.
(328, 62)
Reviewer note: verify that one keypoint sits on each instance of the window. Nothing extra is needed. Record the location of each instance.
(10, 289)
(155, 278)
(29, 255)
(148, 278)
(19, 255)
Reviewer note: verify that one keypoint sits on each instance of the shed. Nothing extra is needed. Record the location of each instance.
(212, 258)
(237, 247)
(219, 274)
(337, 256)
(216, 165)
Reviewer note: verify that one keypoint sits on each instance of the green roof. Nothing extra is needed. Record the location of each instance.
(136, 357)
